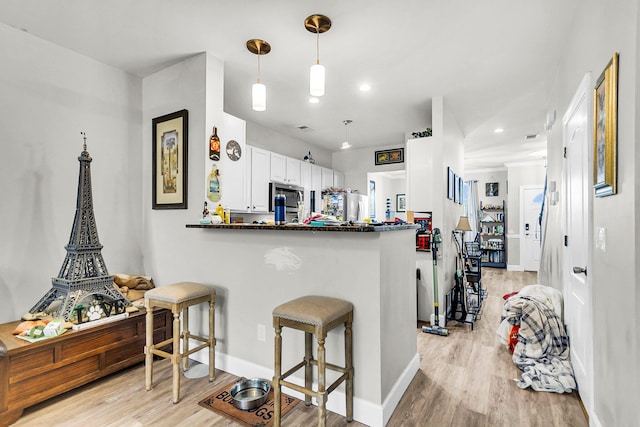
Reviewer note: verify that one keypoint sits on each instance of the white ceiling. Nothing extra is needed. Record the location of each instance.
(493, 61)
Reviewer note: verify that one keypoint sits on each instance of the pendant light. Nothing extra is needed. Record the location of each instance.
(258, 90)
(346, 144)
(317, 24)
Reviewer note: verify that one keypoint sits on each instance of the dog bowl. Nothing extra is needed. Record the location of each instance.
(250, 393)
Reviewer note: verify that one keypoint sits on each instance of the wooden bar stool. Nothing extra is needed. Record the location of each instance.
(314, 315)
(178, 297)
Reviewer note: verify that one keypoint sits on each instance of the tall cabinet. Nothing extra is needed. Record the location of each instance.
(492, 233)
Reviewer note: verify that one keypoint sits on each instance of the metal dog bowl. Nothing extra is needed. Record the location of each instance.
(250, 393)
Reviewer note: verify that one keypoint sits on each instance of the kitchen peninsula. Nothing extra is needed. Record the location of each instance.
(257, 267)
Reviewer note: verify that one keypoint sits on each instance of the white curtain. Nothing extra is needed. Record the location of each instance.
(471, 210)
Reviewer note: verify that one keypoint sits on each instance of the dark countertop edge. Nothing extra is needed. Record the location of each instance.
(301, 227)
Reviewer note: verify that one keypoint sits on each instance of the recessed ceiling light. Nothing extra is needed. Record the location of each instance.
(313, 100)
(498, 130)
(365, 87)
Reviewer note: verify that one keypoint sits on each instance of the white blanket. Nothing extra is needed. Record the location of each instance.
(542, 352)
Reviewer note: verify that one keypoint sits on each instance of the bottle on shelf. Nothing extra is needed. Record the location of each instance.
(214, 145)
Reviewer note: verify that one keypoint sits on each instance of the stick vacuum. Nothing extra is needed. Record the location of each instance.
(436, 239)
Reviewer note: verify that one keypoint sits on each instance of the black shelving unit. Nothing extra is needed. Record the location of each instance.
(474, 293)
(493, 224)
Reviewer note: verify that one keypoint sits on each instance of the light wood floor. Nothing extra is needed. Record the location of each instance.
(465, 379)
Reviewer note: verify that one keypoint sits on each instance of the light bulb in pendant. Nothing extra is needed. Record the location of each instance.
(317, 24)
(258, 90)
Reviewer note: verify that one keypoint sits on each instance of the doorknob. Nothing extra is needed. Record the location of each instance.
(578, 270)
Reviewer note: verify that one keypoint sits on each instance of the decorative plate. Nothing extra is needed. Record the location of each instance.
(233, 150)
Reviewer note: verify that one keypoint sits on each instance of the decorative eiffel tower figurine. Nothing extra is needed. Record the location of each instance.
(83, 273)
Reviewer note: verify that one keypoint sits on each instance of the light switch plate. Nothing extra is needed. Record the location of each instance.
(601, 239)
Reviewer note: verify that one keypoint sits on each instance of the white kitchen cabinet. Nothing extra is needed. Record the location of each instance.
(316, 186)
(260, 173)
(338, 179)
(293, 171)
(305, 182)
(278, 168)
(327, 177)
(285, 170)
(232, 164)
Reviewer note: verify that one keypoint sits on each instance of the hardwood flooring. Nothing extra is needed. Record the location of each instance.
(465, 379)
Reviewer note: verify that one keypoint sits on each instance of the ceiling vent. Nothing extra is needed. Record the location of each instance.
(304, 128)
(531, 137)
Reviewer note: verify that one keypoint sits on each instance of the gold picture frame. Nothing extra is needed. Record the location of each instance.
(170, 142)
(605, 123)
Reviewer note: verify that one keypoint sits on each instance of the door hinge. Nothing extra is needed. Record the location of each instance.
(565, 153)
(566, 240)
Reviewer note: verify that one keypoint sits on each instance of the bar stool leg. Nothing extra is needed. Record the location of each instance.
(175, 358)
(322, 394)
(148, 350)
(277, 404)
(185, 337)
(212, 340)
(308, 368)
(348, 354)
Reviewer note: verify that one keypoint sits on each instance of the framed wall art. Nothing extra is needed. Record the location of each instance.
(456, 192)
(450, 183)
(605, 112)
(169, 164)
(491, 189)
(401, 203)
(386, 157)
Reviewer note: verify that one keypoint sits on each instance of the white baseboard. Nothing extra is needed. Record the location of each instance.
(401, 385)
(511, 267)
(364, 411)
(594, 421)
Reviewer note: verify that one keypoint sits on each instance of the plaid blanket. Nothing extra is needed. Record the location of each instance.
(542, 352)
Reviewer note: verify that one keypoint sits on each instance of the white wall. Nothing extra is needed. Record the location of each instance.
(427, 162)
(269, 139)
(483, 176)
(599, 30)
(49, 95)
(356, 163)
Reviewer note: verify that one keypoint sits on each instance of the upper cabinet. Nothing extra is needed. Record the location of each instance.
(293, 171)
(285, 169)
(327, 177)
(338, 179)
(278, 168)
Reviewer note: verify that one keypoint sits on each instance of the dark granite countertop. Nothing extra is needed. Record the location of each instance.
(305, 227)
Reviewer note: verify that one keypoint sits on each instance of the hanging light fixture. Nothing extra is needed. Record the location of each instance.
(317, 24)
(346, 144)
(258, 90)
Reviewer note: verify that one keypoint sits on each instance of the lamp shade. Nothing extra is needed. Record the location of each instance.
(316, 80)
(259, 97)
(463, 224)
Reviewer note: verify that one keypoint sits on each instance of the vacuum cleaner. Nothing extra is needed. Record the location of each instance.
(436, 240)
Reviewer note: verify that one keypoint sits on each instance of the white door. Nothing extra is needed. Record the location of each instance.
(577, 128)
(531, 197)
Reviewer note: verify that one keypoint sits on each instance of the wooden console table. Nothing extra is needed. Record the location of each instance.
(33, 372)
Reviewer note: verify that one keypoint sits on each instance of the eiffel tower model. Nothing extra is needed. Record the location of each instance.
(83, 273)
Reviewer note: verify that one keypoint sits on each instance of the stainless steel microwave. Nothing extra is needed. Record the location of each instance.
(292, 193)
